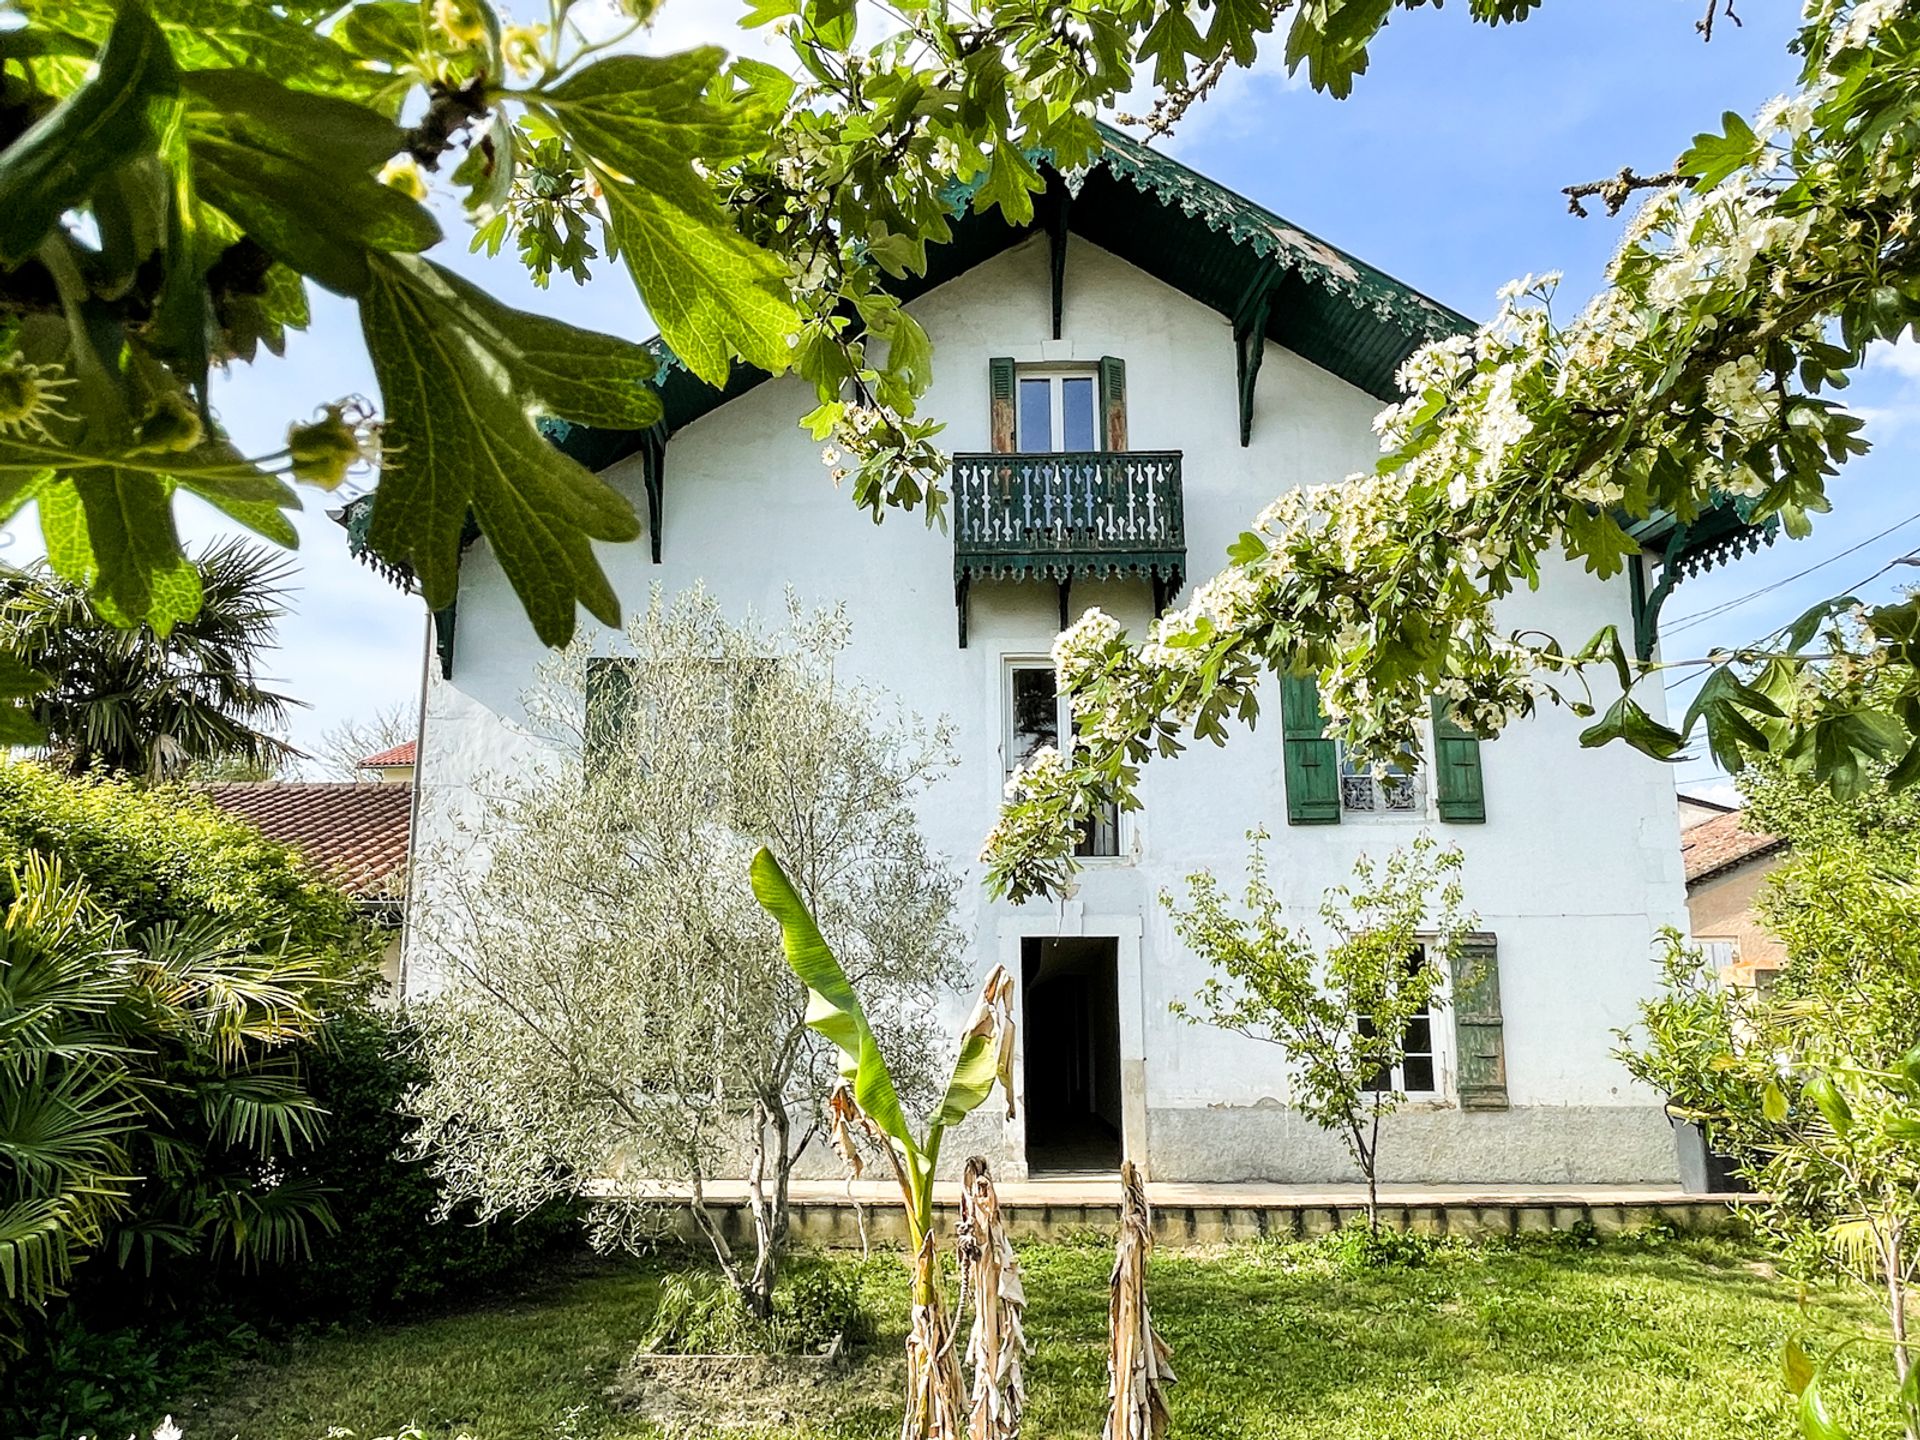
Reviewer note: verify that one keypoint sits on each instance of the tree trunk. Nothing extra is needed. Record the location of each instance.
(1894, 1259)
(758, 1290)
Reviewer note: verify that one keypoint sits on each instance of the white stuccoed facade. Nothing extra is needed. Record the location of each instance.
(1575, 870)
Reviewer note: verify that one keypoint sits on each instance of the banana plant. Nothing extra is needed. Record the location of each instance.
(833, 1010)
(936, 1400)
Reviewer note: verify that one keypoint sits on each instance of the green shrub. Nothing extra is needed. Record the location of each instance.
(387, 1251)
(817, 1303)
(152, 856)
(78, 1380)
(1357, 1248)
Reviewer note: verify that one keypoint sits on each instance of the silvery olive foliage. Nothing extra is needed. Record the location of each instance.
(614, 1012)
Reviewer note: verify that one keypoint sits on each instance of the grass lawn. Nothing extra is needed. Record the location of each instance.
(1636, 1340)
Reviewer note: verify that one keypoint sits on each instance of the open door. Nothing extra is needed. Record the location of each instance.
(1070, 995)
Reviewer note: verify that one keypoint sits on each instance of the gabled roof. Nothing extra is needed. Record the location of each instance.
(1213, 245)
(355, 834)
(392, 758)
(1716, 846)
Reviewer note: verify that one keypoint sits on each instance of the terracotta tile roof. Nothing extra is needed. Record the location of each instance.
(398, 755)
(1719, 844)
(355, 832)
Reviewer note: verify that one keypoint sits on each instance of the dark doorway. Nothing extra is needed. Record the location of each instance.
(1071, 1007)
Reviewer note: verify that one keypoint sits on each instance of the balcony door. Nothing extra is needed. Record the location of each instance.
(1058, 411)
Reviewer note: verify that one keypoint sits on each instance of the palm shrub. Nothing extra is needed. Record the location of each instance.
(152, 1093)
(145, 701)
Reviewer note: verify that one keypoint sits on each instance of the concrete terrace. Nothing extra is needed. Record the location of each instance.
(832, 1213)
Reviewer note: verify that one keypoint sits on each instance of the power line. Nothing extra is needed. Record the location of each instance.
(1686, 622)
(1911, 557)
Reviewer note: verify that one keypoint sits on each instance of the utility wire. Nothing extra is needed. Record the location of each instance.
(1687, 622)
(1911, 557)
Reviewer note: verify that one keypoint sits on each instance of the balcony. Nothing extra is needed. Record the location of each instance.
(1093, 515)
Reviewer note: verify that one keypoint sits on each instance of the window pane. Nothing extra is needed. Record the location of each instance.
(1076, 413)
(1419, 1039)
(1419, 1073)
(1036, 415)
(1036, 712)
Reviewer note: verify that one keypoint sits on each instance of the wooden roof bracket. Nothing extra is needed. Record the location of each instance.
(1057, 206)
(1250, 343)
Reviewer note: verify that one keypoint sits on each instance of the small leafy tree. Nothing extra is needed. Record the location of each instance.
(153, 701)
(614, 1002)
(1817, 1084)
(1339, 1010)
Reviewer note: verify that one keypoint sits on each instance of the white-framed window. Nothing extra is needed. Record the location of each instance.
(1418, 1073)
(1037, 716)
(1719, 956)
(1396, 792)
(1056, 408)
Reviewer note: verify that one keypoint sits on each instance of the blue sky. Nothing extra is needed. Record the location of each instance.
(1444, 168)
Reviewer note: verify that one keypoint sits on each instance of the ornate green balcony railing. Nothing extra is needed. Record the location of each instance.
(1073, 515)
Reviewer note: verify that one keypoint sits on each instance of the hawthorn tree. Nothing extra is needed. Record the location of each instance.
(1745, 291)
(175, 173)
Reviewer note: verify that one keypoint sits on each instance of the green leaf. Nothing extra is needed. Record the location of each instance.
(1626, 720)
(1909, 1067)
(1714, 157)
(385, 30)
(1331, 37)
(1773, 1103)
(106, 122)
(1831, 1102)
(461, 377)
(140, 572)
(222, 34)
(1816, 1421)
(640, 124)
(1796, 1366)
(296, 171)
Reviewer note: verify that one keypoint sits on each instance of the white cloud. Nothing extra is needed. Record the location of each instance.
(1888, 387)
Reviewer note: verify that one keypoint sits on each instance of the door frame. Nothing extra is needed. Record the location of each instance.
(1124, 931)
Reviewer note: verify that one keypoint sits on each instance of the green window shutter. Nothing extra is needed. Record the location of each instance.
(1477, 1027)
(1113, 401)
(1312, 763)
(1456, 768)
(1000, 405)
(610, 706)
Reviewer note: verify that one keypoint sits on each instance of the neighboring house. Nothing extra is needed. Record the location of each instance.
(1726, 866)
(1125, 385)
(1697, 810)
(392, 765)
(355, 835)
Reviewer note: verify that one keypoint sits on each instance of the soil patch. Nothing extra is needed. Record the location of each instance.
(701, 1394)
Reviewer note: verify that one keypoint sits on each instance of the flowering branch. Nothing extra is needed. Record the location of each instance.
(1694, 378)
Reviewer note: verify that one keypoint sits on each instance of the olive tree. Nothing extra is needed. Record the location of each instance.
(1340, 1010)
(615, 1019)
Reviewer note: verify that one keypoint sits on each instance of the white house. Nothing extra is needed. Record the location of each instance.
(1125, 385)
